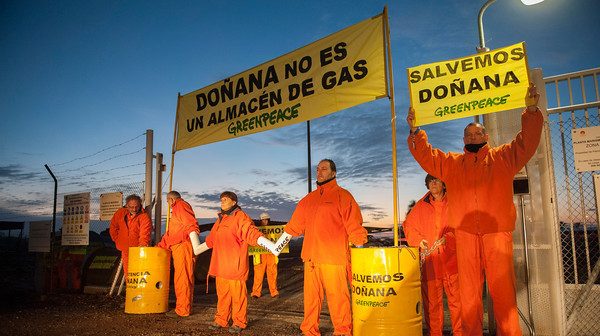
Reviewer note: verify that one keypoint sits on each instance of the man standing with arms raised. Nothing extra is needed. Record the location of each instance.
(329, 218)
(482, 212)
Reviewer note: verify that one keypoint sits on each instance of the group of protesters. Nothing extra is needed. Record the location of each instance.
(463, 227)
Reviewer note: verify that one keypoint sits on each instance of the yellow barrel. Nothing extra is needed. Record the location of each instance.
(386, 291)
(148, 280)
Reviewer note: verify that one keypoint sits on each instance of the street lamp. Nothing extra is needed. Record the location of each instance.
(482, 48)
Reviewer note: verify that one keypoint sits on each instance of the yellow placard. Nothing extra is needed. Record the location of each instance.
(479, 84)
(336, 72)
(271, 232)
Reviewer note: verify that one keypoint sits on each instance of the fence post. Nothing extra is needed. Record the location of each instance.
(148, 183)
(160, 168)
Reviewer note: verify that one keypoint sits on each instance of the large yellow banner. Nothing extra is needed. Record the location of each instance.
(337, 72)
(484, 83)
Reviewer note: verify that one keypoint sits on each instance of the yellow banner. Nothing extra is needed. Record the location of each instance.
(484, 83)
(336, 72)
(271, 232)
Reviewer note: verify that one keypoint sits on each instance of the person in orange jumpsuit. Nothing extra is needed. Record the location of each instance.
(177, 240)
(129, 227)
(482, 212)
(425, 225)
(330, 219)
(229, 238)
(70, 262)
(265, 262)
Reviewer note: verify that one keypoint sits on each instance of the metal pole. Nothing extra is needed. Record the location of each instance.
(308, 152)
(482, 47)
(148, 183)
(390, 90)
(54, 207)
(174, 149)
(160, 168)
(524, 231)
(53, 233)
(121, 284)
(116, 277)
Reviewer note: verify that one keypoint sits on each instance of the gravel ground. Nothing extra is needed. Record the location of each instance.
(25, 313)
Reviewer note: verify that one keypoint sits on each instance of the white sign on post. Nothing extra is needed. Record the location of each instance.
(76, 219)
(586, 148)
(39, 236)
(109, 204)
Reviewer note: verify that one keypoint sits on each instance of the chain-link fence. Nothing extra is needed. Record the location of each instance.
(98, 227)
(573, 101)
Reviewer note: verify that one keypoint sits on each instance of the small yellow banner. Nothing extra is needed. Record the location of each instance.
(334, 73)
(479, 84)
(271, 232)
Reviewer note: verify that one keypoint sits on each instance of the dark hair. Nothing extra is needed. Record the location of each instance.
(429, 178)
(174, 193)
(331, 164)
(229, 194)
(133, 197)
(474, 124)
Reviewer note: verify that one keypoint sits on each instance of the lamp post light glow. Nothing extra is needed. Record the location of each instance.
(482, 48)
(531, 2)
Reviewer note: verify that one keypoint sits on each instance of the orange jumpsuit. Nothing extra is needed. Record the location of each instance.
(265, 263)
(69, 267)
(427, 221)
(329, 218)
(482, 212)
(177, 239)
(128, 230)
(229, 240)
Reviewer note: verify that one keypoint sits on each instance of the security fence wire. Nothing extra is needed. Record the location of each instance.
(573, 104)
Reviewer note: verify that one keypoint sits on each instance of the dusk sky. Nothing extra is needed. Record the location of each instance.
(82, 81)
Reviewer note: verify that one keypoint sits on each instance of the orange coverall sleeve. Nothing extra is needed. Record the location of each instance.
(115, 228)
(210, 242)
(183, 221)
(522, 148)
(432, 160)
(186, 216)
(352, 219)
(248, 232)
(296, 225)
(411, 228)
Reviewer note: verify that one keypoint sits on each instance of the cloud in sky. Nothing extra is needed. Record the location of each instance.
(16, 172)
(280, 205)
(359, 141)
(77, 63)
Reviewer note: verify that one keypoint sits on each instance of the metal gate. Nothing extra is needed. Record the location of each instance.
(573, 102)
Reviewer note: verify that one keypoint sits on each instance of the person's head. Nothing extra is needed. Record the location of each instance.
(434, 184)
(326, 170)
(475, 134)
(264, 218)
(133, 203)
(172, 196)
(228, 200)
